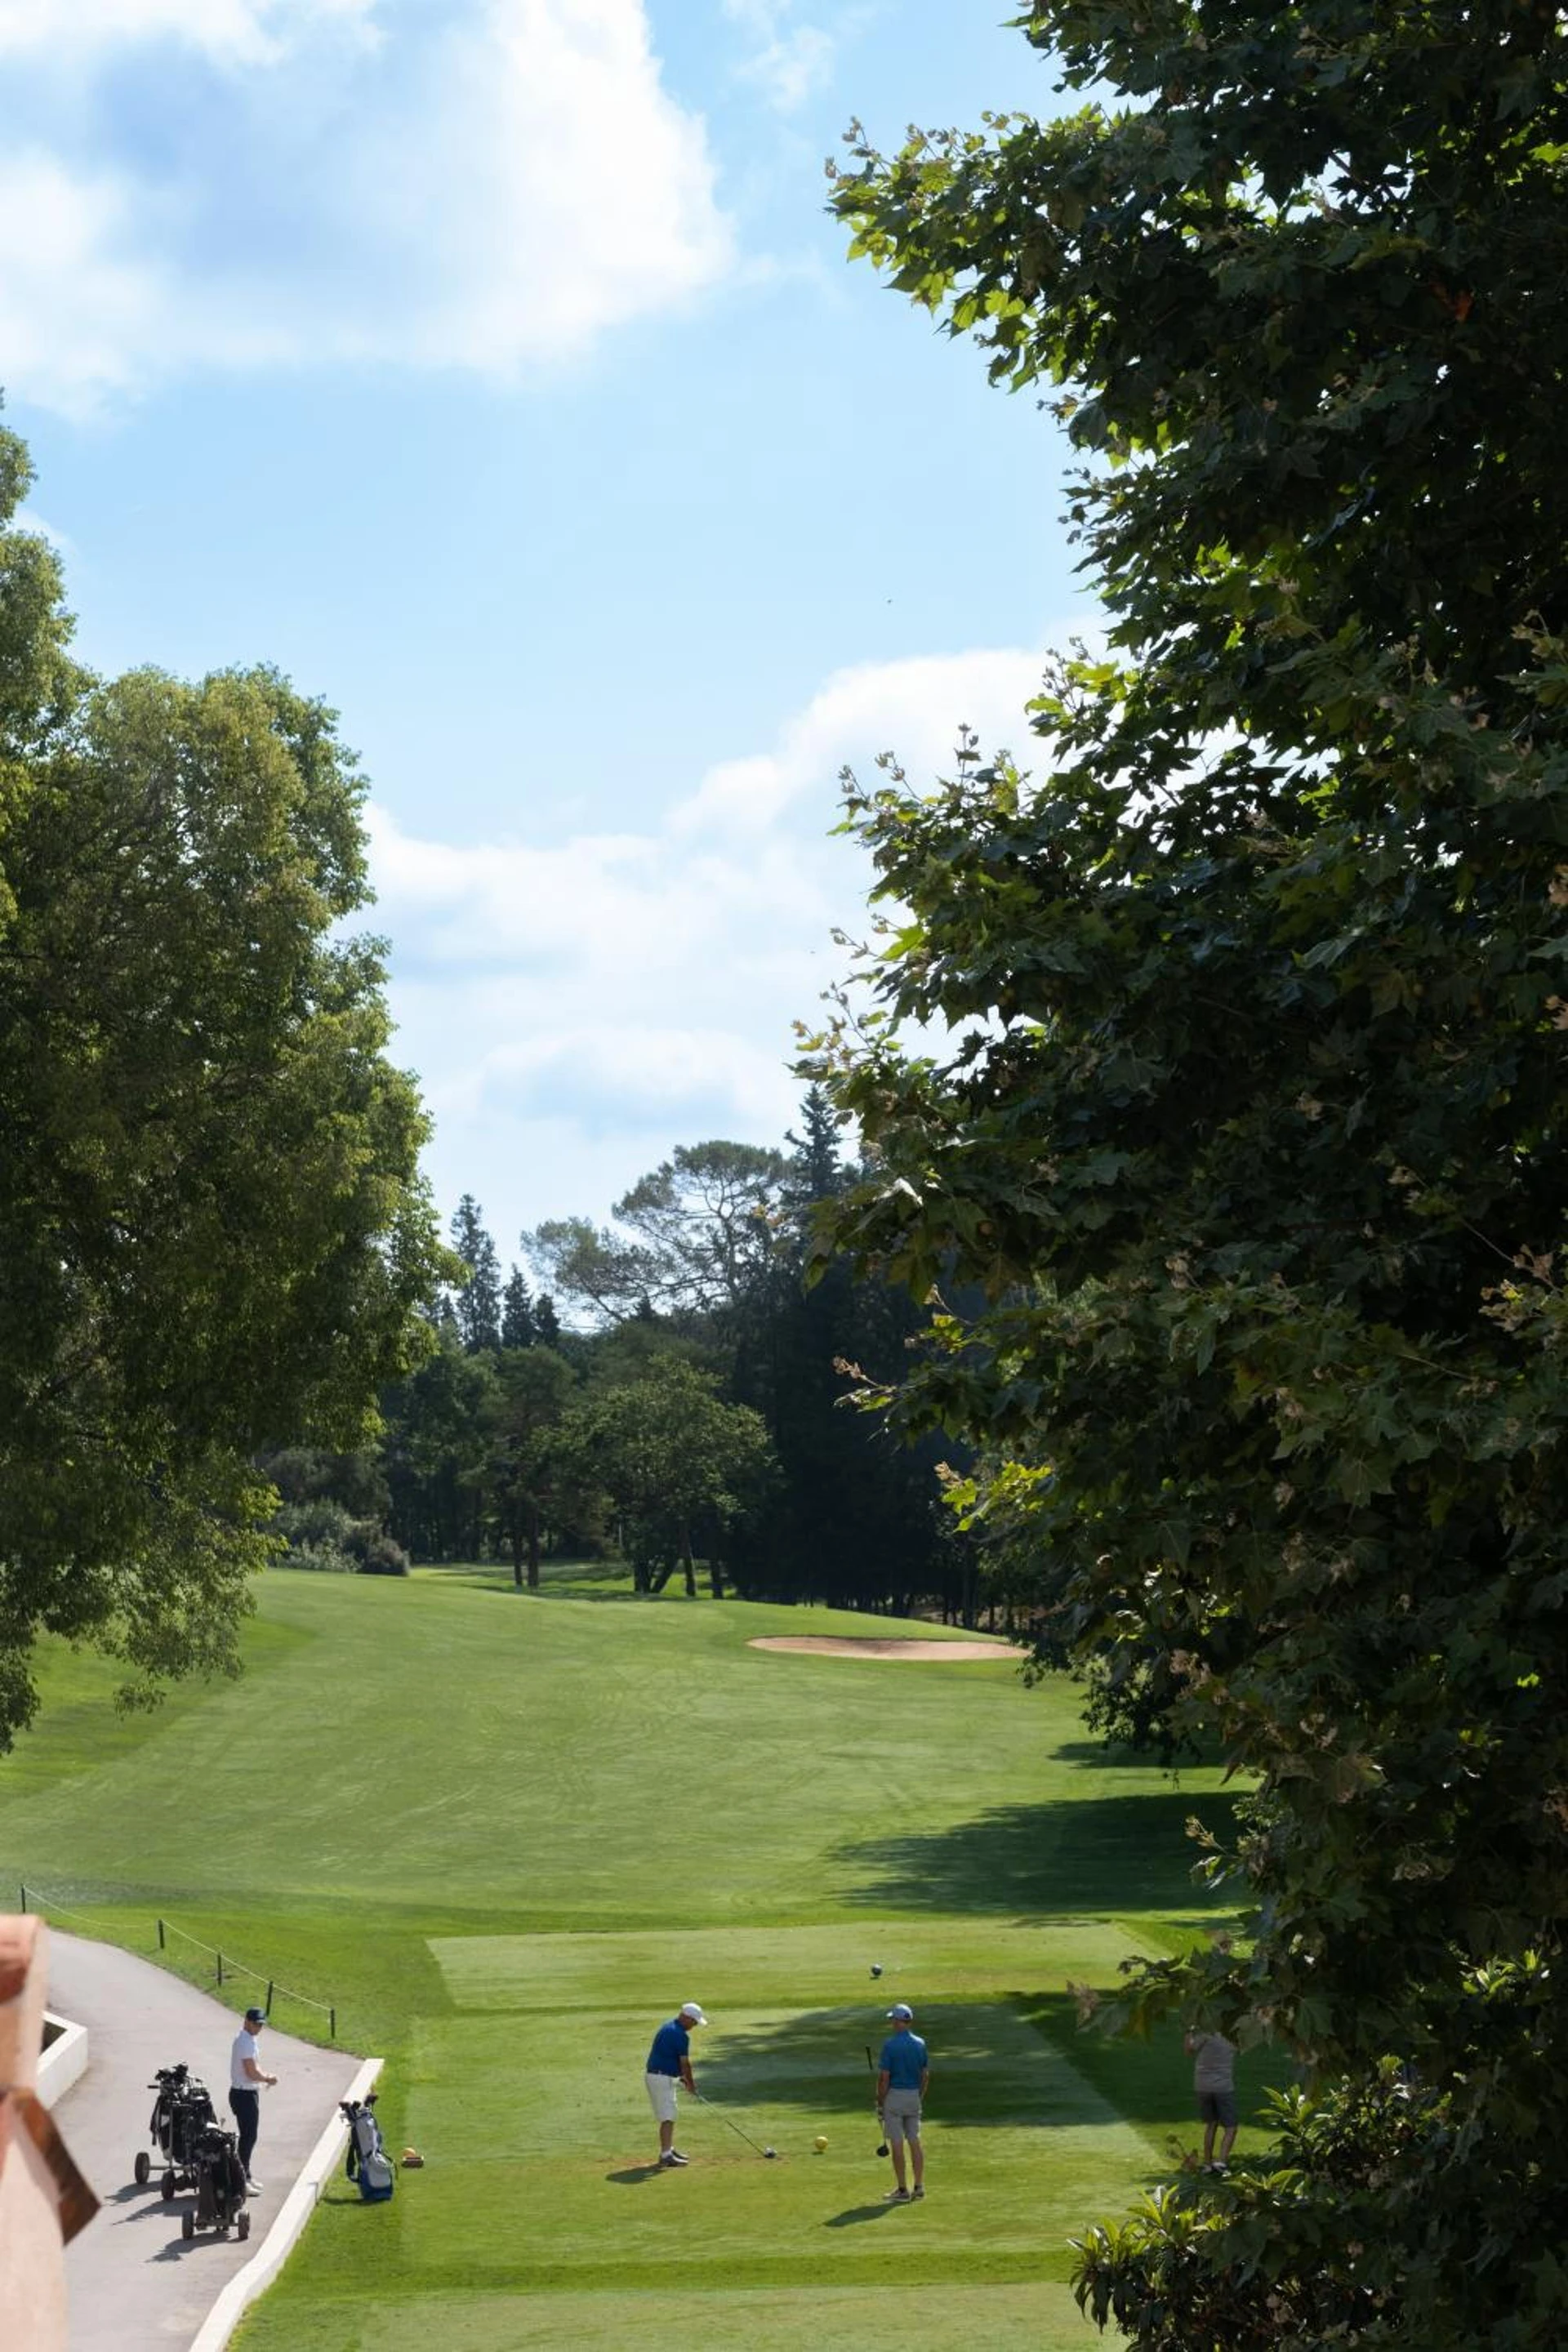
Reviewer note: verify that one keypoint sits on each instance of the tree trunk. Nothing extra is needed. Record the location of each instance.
(533, 1547)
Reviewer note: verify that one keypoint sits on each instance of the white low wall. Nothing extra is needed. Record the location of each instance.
(64, 2061)
(298, 2207)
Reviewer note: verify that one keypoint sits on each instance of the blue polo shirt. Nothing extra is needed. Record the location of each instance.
(671, 2044)
(903, 2059)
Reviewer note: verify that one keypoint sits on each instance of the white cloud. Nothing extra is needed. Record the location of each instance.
(481, 184)
(243, 30)
(789, 60)
(913, 707)
(27, 518)
(577, 1009)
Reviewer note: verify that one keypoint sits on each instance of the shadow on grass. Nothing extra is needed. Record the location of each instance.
(1148, 2081)
(568, 1580)
(984, 2072)
(634, 2173)
(853, 2213)
(1100, 1757)
(816, 2065)
(1093, 1856)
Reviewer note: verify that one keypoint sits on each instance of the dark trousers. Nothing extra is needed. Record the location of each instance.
(247, 2106)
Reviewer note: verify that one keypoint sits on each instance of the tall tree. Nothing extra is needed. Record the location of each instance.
(1254, 1127)
(814, 1170)
(679, 1462)
(478, 1298)
(695, 1234)
(518, 1326)
(856, 1518)
(592, 1265)
(436, 1454)
(213, 1233)
(707, 1218)
(528, 1471)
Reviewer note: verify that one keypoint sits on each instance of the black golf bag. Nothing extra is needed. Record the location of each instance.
(219, 2180)
(181, 2111)
(368, 2161)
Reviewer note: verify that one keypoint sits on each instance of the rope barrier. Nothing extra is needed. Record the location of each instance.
(226, 1966)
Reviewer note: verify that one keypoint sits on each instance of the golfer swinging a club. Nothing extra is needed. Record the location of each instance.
(901, 2081)
(669, 2062)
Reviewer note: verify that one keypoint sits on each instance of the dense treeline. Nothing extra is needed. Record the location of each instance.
(685, 1408)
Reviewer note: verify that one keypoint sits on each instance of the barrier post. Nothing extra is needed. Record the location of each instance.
(161, 1943)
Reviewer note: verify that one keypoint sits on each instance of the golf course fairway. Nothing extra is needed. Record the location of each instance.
(507, 1834)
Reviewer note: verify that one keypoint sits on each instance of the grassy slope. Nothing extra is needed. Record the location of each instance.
(506, 1834)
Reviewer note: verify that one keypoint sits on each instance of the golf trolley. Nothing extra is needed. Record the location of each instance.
(181, 2112)
(218, 2178)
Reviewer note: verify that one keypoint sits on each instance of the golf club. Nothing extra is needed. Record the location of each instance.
(882, 2144)
(770, 2152)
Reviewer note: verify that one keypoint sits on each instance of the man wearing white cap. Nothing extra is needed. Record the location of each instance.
(669, 2062)
(901, 2081)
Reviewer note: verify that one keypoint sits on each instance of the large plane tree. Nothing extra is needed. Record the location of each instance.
(1253, 1121)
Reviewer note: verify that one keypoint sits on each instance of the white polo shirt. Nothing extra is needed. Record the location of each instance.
(244, 2048)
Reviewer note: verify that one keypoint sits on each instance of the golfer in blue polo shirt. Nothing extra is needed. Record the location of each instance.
(903, 2076)
(669, 2062)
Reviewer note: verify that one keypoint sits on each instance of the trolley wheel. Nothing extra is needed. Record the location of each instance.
(242, 2226)
(167, 2185)
(187, 2223)
(143, 2168)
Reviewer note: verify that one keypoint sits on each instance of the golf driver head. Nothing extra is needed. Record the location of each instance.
(770, 2152)
(883, 2147)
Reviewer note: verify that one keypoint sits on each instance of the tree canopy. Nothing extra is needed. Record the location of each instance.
(213, 1233)
(1252, 1124)
(676, 1460)
(697, 1232)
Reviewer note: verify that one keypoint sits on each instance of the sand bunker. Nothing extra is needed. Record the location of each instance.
(832, 1645)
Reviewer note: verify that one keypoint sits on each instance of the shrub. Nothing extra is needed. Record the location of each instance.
(376, 1553)
(329, 1558)
(314, 1525)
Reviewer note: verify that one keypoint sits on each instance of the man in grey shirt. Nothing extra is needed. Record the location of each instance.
(1213, 2080)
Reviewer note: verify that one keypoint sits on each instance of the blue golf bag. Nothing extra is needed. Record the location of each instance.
(368, 2161)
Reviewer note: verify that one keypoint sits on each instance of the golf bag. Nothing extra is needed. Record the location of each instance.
(368, 2161)
(219, 2180)
(181, 2111)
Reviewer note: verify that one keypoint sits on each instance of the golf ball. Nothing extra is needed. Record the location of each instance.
(819, 2143)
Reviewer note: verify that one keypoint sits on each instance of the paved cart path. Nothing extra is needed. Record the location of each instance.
(134, 2285)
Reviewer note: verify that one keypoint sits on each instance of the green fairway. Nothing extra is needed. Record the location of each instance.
(507, 1834)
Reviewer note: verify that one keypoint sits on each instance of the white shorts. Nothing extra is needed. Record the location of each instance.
(901, 2116)
(661, 2097)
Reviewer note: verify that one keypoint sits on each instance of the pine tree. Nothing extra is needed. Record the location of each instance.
(518, 1326)
(478, 1299)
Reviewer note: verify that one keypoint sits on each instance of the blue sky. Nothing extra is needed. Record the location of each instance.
(491, 366)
